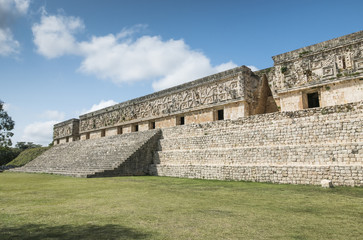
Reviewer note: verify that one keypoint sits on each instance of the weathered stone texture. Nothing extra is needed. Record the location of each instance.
(335, 64)
(237, 84)
(313, 131)
(67, 129)
(301, 147)
(120, 155)
(326, 61)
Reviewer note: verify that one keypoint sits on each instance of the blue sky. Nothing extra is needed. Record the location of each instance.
(62, 58)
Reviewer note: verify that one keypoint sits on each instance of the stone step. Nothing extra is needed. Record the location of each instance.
(90, 157)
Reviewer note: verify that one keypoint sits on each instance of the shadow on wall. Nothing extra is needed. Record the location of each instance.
(41, 231)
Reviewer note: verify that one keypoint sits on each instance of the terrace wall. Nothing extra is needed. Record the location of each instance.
(301, 147)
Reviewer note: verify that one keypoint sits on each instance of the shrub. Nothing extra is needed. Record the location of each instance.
(7, 154)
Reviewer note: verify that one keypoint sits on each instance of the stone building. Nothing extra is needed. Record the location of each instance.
(298, 122)
(325, 74)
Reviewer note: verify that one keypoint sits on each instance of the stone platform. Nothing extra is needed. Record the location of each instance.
(120, 155)
(300, 147)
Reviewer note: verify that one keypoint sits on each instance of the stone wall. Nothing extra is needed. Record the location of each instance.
(235, 85)
(334, 62)
(66, 131)
(300, 147)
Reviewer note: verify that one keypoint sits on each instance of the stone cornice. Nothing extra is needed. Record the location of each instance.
(173, 90)
(319, 47)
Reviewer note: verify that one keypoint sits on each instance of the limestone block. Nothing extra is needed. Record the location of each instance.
(325, 183)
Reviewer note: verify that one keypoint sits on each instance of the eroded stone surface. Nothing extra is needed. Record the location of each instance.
(312, 132)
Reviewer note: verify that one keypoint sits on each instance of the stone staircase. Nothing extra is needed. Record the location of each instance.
(119, 155)
(277, 147)
(302, 147)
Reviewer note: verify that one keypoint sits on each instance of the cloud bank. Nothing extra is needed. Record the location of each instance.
(122, 59)
(9, 11)
(54, 35)
(41, 132)
(100, 105)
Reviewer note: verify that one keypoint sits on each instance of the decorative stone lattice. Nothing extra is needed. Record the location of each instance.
(328, 61)
(69, 128)
(237, 84)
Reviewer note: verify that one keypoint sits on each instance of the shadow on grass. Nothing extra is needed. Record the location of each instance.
(37, 231)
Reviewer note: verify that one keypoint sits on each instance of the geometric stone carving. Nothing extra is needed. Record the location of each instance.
(234, 85)
(328, 71)
(69, 128)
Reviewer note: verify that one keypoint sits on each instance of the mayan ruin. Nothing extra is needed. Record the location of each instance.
(298, 122)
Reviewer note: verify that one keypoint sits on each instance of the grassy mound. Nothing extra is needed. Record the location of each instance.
(44, 206)
(26, 156)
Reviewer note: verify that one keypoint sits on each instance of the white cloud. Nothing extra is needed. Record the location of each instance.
(39, 132)
(170, 62)
(53, 115)
(9, 10)
(53, 36)
(21, 5)
(100, 105)
(253, 68)
(8, 45)
(120, 58)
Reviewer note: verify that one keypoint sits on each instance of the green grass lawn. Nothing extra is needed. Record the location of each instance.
(40, 206)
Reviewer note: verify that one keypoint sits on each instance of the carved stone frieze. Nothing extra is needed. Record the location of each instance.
(69, 128)
(209, 93)
(318, 63)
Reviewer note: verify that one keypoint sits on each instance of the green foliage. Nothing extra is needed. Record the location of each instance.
(27, 155)
(7, 154)
(43, 206)
(24, 145)
(6, 125)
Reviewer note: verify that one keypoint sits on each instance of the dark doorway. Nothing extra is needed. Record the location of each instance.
(182, 121)
(220, 114)
(313, 100)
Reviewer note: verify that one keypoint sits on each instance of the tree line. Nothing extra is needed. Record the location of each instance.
(8, 153)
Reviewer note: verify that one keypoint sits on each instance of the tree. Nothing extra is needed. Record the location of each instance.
(23, 145)
(7, 154)
(6, 125)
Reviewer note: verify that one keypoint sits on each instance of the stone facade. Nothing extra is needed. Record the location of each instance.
(325, 74)
(67, 131)
(300, 147)
(333, 69)
(297, 122)
(238, 92)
